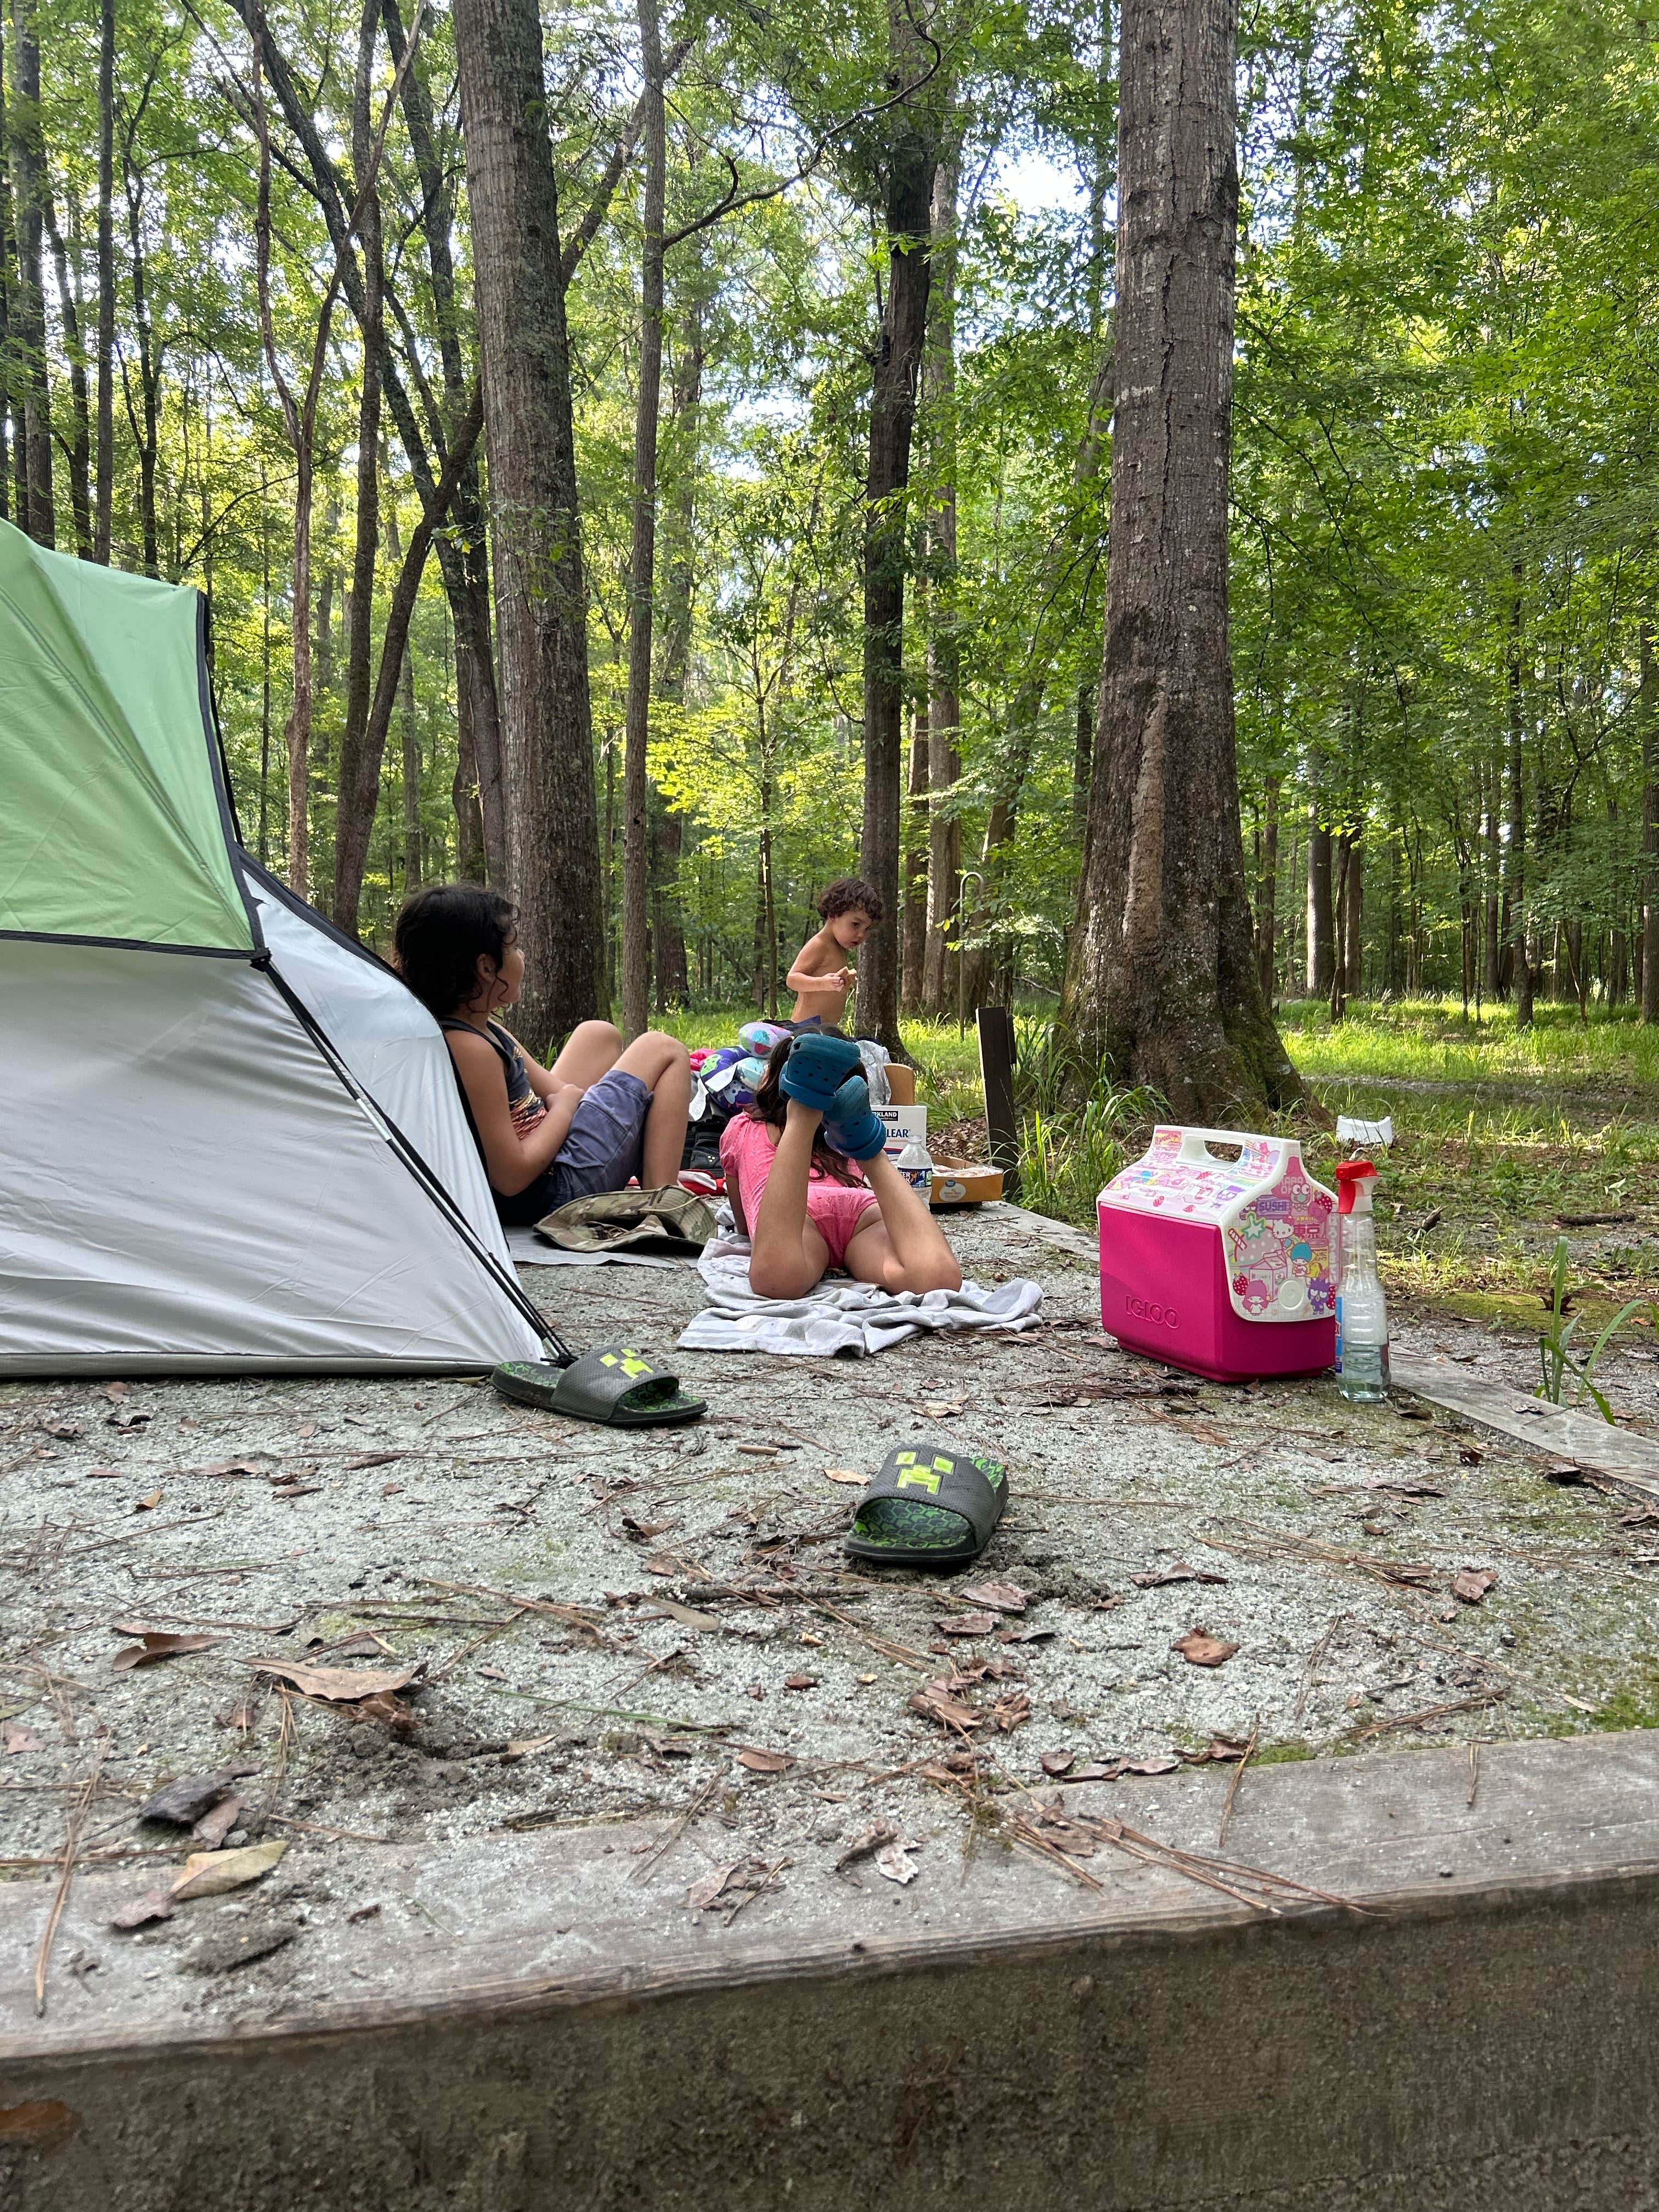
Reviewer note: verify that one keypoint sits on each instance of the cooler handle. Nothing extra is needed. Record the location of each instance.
(1195, 1144)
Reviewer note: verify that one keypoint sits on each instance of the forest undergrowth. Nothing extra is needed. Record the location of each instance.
(1504, 1139)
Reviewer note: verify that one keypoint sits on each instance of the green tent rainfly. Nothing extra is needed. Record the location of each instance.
(115, 825)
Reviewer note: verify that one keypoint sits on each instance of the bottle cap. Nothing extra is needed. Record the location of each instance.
(1352, 1176)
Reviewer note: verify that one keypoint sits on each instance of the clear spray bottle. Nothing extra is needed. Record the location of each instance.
(1362, 1312)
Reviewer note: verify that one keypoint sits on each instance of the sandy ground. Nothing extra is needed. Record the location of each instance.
(608, 1622)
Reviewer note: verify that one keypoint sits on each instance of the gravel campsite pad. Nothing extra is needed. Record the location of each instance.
(558, 1625)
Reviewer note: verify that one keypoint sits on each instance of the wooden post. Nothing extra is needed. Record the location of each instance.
(996, 1069)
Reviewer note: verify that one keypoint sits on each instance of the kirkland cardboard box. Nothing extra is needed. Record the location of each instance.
(902, 1124)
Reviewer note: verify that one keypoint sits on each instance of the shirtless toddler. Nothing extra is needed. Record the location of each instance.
(821, 978)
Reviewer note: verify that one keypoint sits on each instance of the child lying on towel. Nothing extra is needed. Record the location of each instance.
(798, 1196)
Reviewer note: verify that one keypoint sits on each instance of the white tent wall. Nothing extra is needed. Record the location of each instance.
(186, 1184)
(391, 1046)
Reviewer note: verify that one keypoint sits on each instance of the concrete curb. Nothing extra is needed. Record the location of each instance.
(523, 2024)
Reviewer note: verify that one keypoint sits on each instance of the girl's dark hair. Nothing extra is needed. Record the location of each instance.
(772, 1105)
(438, 937)
(846, 893)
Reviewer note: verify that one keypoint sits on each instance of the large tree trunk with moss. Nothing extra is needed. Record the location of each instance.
(553, 845)
(1162, 977)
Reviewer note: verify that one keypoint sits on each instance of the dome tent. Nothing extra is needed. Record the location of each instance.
(230, 1139)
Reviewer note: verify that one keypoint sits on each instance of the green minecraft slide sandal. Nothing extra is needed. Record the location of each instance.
(615, 1385)
(930, 1506)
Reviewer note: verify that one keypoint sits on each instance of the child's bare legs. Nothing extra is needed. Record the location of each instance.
(661, 1064)
(786, 1255)
(593, 1048)
(907, 1249)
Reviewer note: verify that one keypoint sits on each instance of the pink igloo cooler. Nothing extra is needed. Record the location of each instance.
(1224, 1265)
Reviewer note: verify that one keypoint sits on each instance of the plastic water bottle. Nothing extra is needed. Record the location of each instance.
(916, 1164)
(1362, 1311)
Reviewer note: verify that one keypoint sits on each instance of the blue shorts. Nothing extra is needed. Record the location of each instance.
(601, 1150)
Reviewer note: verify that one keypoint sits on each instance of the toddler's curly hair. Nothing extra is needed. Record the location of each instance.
(846, 893)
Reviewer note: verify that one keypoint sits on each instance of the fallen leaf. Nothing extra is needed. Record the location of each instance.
(701, 1894)
(966, 1624)
(213, 1827)
(105, 1473)
(894, 1862)
(848, 1474)
(127, 1417)
(233, 1467)
(1200, 1650)
(940, 1409)
(339, 1685)
(800, 1681)
(155, 1643)
(65, 1432)
(1472, 1583)
(1009, 1713)
(371, 1459)
(662, 1563)
(364, 1912)
(211, 1874)
(1001, 1597)
(154, 1904)
(866, 1843)
(1220, 1748)
(521, 1747)
(182, 1803)
(40, 2124)
(14, 1737)
(935, 1702)
(493, 1674)
(148, 1504)
(1058, 1762)
(640, 1532)
(1024, 1635)
(391, 1712)
(1154, 1577)
(763, 1762)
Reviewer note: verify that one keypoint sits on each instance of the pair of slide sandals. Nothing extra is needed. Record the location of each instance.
(613, 1385)
(931, 1506)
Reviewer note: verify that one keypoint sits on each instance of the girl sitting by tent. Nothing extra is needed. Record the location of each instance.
(797, 1194)
(598, 1117)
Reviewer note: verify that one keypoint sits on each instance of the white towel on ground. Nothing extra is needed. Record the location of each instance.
(839, 1315)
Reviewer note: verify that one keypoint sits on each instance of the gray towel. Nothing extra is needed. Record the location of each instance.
(838, 1316)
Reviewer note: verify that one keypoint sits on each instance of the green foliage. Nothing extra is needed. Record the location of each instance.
(1556, 1356)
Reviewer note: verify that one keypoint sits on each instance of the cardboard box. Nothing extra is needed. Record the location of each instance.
(960, 1182)
(902, 1123)
(901, 1083)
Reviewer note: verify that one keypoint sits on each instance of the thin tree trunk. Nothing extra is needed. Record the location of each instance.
(144, 430)
(1321, 920)
(915, 866)
(1647, 707)
(944, 653)
(1267, 918)
(1353, 918)
(636, 786)
(77, 447)
(359, 787)
(1492, 954)
(1517, 847)
(680, 585)
(541, 598)
(907, 212)
(1163, 977)
(104, 480)
(28, 315)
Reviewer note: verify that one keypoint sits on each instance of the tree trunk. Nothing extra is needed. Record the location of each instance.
(907, 213)
(77, 447)
(359, 777)
(643, 564)
(1321, 920)
(479, 794)
(679, 585)
(541, 598)
(28, 312)
(915, 866)
(1266, 917)
(104, 463)
(1647, 709)
(1517, 847)
(944, 653)
(1353, 918)
(1162, 977)
(144, 431)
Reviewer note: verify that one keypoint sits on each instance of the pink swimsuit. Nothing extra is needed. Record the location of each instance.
(836, 1210)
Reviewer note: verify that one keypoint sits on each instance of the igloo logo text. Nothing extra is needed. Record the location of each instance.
(1150, 1309)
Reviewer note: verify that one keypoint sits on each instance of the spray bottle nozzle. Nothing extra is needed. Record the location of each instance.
(1352, 1176)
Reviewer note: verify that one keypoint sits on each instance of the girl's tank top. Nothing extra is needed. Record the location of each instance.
(523, 1104)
